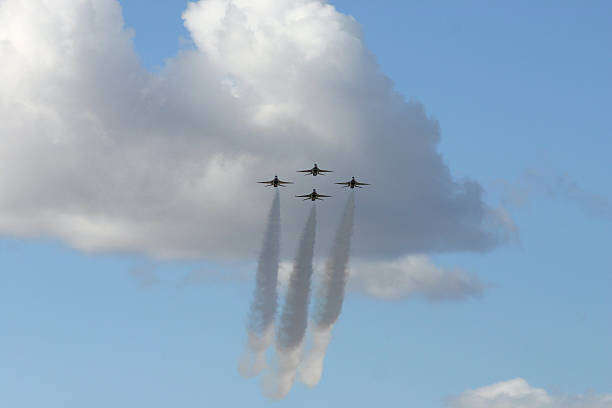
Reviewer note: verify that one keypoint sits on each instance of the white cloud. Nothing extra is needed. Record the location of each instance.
(412, 276)
(518, 393)
(108, 157)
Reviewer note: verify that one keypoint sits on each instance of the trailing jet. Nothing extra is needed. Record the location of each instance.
(353, 183)
(275, 182)
(315, 171)
(313, 196)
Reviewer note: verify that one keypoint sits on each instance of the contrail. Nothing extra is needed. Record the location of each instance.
(260, 323)
(329, 297)
(294, 316)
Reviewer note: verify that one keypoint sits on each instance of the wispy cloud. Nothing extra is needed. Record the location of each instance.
(543, 182)
(145, 275)
(413, 275)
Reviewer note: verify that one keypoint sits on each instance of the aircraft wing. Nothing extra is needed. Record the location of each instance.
(348, 183)
(285, 182)
(322, 195)
(306, 195)
(325, 171)
(266, 182)
(304, 171)
(361, 184)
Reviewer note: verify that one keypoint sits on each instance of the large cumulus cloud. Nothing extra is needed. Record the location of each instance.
(102, 154)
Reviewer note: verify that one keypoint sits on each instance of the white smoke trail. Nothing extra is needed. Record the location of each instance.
(260, 324)
(312, 366)
(294, 316)
(330, 297)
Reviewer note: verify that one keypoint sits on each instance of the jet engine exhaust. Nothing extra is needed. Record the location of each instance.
(260, 322)
(294, 316)
(329, 297)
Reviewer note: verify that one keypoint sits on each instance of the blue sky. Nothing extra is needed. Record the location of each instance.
(514, 88)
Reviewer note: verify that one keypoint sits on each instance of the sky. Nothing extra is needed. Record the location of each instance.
(482, 129)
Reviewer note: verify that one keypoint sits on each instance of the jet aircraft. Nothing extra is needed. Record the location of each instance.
(275, 182)
(315, 171)
(353, 183)
(313, 196)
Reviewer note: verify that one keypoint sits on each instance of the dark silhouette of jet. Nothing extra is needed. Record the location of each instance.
(313, 196)
(275, 182)
(314, 171)
(353, 183)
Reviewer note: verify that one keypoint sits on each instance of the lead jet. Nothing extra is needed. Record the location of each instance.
(313, 196)
(315, 171)
(353, 183)
(275, 182)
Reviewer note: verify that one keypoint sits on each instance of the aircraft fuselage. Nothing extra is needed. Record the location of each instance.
(313, 196)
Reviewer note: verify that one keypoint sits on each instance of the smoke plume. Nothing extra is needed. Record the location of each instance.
(260, 325)
(294, 316)
(330, 297)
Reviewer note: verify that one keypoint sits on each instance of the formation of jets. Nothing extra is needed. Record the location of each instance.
(276, 182)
